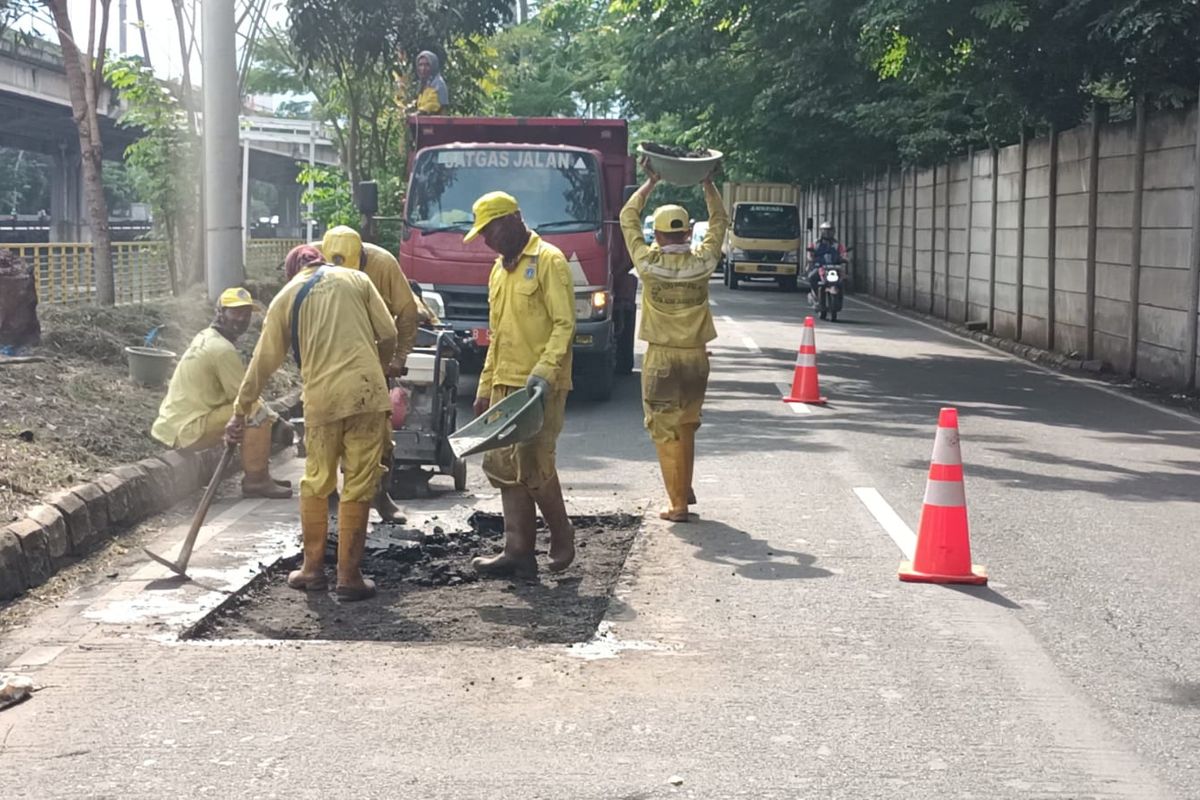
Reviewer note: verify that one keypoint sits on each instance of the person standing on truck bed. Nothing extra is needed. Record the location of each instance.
(343, 247)
(531, 313)
(199, 401)
(433, 97)
(676, 324)
(337, 327)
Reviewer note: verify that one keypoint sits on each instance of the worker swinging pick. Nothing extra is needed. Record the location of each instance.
(676, 324)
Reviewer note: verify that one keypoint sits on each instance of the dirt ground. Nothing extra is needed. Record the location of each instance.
(77, 415)
(428, 592)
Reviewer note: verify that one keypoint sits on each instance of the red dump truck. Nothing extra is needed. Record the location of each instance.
(570, 177)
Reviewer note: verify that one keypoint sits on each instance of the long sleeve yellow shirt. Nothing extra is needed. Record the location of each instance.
(384, 271)
(531, 313)
(208, 376)
(675, 310)
(345, 328)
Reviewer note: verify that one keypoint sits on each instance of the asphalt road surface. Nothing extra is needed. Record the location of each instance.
(766, 651)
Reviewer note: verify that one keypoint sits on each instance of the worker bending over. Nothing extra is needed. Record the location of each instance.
(343, 247)
(531, 313)
(676, 324)
(200, 397)
(340, 332)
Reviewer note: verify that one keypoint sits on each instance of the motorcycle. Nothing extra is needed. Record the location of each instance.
(829, 295)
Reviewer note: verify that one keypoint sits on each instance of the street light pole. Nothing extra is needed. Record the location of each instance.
(223, 229)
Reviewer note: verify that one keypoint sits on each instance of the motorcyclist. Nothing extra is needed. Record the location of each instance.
(826, 245)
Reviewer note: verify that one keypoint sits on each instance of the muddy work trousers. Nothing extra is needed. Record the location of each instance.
(209, 430)
(530, 464)
(355, 443)
(674, 380)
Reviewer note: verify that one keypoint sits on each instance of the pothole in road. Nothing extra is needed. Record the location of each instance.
(429, 593)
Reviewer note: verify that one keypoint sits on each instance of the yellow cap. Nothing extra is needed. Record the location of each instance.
(671, 219)
(342, 246)
(489, 208)
(236, 297)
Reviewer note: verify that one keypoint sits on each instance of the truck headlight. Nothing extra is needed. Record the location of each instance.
(592, 305)
(737, 255)
(435, 303)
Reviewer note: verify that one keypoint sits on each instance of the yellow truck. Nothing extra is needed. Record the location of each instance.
(764, 242)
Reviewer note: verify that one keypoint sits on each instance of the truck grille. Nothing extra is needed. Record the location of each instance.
(762, 255)
(469, 304)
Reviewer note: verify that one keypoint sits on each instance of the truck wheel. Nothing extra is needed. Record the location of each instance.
(733, 278)
(788, 284)
(599, 376)
(625, 344)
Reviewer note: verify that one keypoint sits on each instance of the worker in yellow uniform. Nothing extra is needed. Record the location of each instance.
(676, 324)
(433, 96)
(200, 397)
(336, 325)
(531, 313)
(343, 247)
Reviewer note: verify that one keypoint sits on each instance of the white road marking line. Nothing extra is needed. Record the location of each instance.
(887, 517)
(750, 344)
(712, 302)
(1033, 364)
(797, 408)
(727, 319)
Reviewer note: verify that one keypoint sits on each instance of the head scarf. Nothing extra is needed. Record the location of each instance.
(300, 257)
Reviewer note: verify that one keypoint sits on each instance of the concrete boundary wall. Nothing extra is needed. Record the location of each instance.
(1085, 243)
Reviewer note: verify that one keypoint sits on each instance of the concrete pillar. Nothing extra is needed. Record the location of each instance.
(222, 206)
(1135, 264)
(1024, 185)
(68, 223)
(1051, 238)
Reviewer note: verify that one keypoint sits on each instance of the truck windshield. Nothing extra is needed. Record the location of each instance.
(557, 190)
(766, 221)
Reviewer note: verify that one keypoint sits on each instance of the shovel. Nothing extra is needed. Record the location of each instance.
(185, 553)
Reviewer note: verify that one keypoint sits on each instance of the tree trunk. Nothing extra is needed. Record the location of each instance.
(84, 90)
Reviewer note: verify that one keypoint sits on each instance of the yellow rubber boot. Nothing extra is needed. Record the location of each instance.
(517, 560)
(352, 540)
(314, 527)
(670, 460)
(256, 454)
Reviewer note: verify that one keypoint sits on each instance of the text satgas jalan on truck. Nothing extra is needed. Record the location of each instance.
(569, 176)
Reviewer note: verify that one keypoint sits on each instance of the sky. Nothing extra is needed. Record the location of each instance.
(160, 29)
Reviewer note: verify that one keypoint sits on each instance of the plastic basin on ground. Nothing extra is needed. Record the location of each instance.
(149, 366)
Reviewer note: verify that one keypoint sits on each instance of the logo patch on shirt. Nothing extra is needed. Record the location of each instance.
(530, 271)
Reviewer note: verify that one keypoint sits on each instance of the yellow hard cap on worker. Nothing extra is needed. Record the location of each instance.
(489, 208)
(236, 297)
(671, 219)
(342, 246)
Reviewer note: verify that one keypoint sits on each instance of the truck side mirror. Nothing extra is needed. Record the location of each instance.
(366, 198)
(628, 193)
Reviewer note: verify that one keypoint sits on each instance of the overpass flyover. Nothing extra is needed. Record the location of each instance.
(35, 115)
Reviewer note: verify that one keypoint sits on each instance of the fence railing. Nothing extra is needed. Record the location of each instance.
(264, 257)
(65, 275)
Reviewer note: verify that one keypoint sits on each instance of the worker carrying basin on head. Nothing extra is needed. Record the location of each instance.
(531, 313)
(343, 247)
(676, 324)
(200, 397)
(337, 326)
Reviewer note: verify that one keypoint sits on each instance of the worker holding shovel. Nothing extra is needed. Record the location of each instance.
(531, 314)
(676, 324)
(339, 330)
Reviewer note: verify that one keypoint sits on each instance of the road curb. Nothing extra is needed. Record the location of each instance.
(71, 523)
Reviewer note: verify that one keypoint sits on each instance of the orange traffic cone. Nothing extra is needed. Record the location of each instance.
(804, 382)
(943, 542)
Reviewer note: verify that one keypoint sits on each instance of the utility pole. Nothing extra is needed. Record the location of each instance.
(222, 206)
(122, 18)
